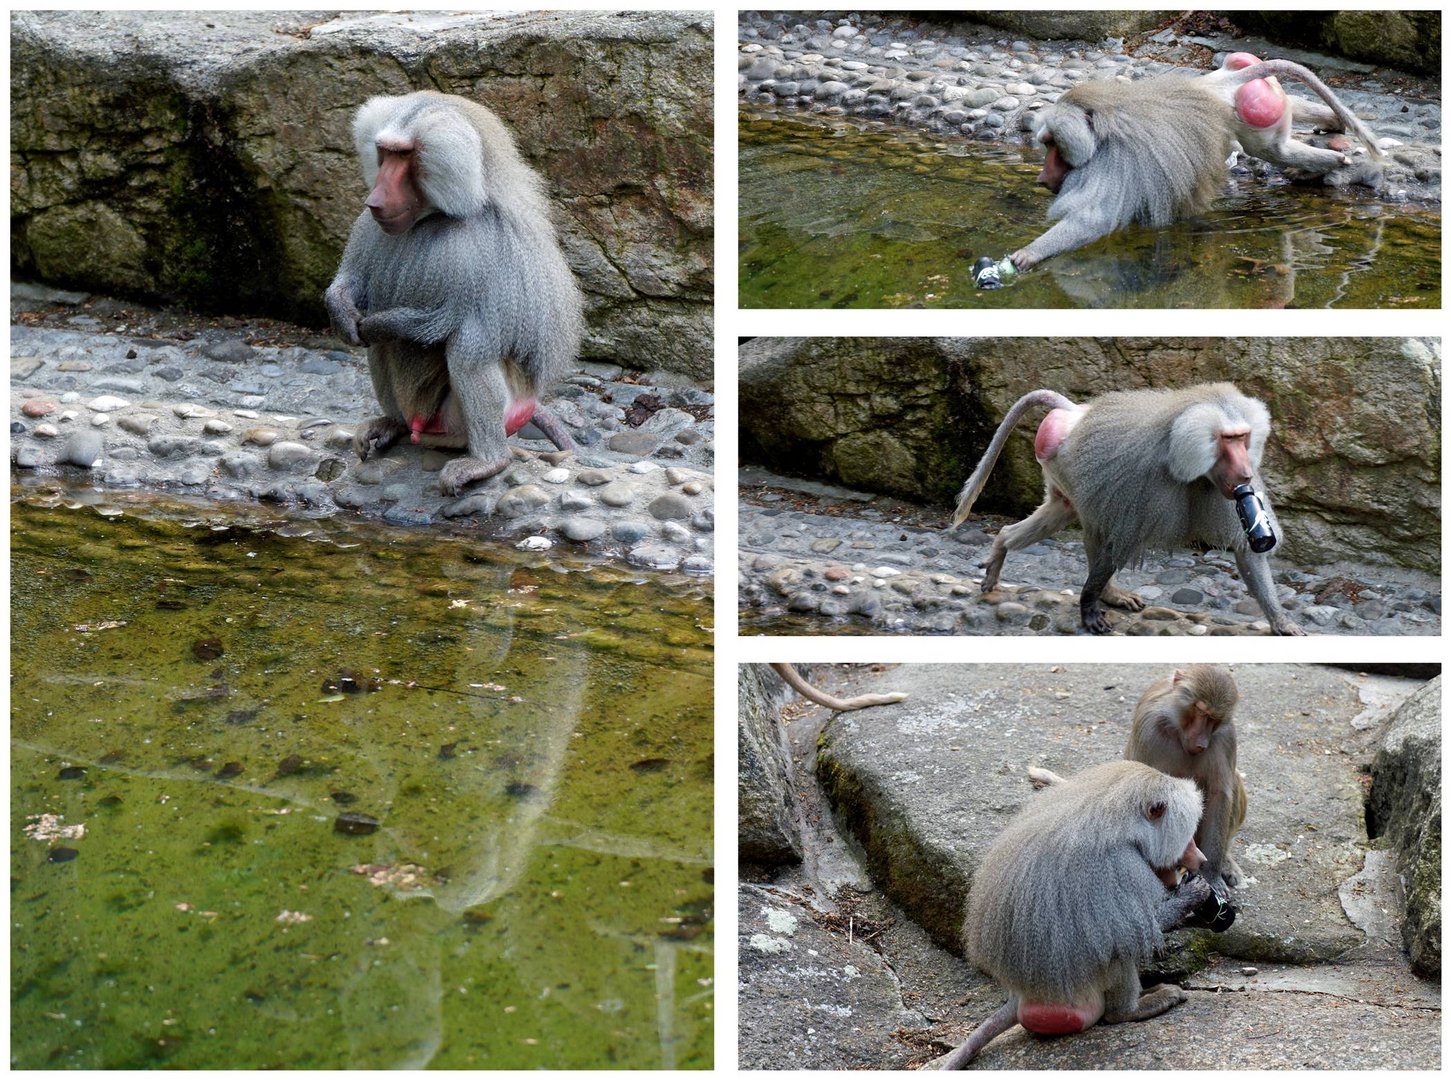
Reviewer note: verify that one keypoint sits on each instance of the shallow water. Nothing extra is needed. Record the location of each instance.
(207, 695)
(849, 215)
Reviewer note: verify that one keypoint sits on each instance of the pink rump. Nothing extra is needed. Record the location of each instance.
(1056, 1019)
(1051, 433)
(1260, 103)
(519, 413)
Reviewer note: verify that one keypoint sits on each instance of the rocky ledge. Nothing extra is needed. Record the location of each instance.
(117, 396)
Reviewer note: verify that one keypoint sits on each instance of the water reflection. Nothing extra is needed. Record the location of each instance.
(353, 797)
(849, 215)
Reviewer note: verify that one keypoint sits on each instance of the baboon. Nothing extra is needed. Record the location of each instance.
(453, 278)
(1153, 150)
(1184, 726)
(1075, 895)
(1139, 470)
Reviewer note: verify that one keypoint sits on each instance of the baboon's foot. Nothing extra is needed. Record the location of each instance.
(1286, 627)
(1157, 1001)
(1122, 598)
(463, 471)
(1094, 620)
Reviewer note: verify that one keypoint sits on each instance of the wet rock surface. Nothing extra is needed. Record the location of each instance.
(985, 84)
(818, 559)
(860, 936)
(121, 397)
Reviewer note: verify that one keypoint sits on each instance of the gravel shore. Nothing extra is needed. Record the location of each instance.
(122, 397)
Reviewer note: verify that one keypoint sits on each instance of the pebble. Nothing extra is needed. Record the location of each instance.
(582, 530)
(670, 507)
(655, 556)
(617, 493)
(137, 423)
(83, 448)
(518, 501)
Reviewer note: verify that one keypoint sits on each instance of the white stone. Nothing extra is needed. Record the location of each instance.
(107, 403)
(535, 543)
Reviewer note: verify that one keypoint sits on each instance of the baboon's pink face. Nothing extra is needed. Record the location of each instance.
(1232, 465)
(396, 201)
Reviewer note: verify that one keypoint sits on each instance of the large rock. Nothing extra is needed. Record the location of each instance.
(810, 998)
(768, 831)
(205, 158)
(868, 412)
(1073, 25)
(1404, 808)
(1354, 465)
(1409, 40)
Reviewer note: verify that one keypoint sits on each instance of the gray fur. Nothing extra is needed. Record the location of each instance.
(1152, 152)
(1156, 740)
(471, 307)
(1067, 905)
(1132, 473)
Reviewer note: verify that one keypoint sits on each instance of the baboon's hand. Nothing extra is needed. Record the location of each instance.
(373, 439)
(344, 315)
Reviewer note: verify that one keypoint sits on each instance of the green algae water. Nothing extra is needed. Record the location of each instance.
(851, 215)
(323, 795)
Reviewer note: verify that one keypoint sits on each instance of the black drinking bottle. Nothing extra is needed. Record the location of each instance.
(1254, 519)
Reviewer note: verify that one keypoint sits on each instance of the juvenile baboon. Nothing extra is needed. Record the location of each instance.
(1140, 470)
(1153, 150)
(453, 278)
(1075, 895)
(1184, 726)
(810, 693)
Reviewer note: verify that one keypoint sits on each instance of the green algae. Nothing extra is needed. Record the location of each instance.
(207, 694)
(845, 214)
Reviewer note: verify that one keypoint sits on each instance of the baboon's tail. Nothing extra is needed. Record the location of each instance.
(973, 488)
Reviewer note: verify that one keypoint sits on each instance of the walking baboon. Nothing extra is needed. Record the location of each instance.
(1139, 470)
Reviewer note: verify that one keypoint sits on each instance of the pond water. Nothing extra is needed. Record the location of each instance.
(848, 215)
(351, 797)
